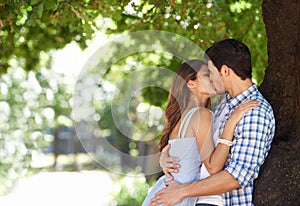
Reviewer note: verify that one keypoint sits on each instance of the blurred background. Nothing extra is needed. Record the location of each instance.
(44, 47)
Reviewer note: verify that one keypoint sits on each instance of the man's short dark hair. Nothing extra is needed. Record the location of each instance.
(232, 53)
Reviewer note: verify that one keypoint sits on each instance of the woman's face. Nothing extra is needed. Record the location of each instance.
(203, 82)
(215, 77)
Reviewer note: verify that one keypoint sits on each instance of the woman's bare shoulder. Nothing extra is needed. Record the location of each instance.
(204, 112)
(202, 115)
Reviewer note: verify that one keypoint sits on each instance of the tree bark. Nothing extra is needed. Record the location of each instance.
(279, 180)
(282, 77)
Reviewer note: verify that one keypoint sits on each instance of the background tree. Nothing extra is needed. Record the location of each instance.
(280, 177)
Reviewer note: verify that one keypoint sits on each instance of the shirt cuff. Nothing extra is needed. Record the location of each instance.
(239, 173)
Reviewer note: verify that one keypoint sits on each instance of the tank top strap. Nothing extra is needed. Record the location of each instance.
(182, 123)
(185, 122)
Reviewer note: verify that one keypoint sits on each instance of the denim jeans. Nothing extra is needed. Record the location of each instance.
(205, 204)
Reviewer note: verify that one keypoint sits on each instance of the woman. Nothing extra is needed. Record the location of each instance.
(188, 128)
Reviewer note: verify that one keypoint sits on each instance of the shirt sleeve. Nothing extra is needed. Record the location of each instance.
(252, 143)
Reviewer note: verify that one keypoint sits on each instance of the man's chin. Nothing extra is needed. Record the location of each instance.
(215, 92)
(220, 91)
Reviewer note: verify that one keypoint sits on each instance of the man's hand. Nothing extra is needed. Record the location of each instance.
(168, 163)
(168, 196)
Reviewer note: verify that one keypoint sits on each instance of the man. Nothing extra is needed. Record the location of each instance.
(230, 71)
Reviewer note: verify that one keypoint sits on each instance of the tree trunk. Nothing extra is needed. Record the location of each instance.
(279, 180)
(56, 147)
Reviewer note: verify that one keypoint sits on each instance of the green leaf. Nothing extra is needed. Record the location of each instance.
(33, 2)
(40, 10)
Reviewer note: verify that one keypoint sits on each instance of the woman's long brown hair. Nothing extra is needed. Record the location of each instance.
(179, 97)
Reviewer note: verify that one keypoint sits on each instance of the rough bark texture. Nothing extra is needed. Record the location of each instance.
(279, 180)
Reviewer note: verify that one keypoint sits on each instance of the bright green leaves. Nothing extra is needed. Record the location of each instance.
(39, 25)
(239, 6)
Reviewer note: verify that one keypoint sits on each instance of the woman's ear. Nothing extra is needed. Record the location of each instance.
(190, 84)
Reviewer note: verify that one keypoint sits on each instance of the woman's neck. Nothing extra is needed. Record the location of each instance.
(198, 102)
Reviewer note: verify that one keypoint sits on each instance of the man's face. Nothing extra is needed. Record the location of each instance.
(216, 77)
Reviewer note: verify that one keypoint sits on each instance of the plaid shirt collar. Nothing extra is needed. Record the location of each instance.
(232, 103)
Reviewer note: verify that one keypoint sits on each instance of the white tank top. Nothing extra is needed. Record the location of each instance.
(212, 199)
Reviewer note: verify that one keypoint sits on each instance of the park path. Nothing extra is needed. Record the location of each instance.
(61, 189)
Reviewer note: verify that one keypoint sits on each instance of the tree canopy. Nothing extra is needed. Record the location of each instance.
(34, 26)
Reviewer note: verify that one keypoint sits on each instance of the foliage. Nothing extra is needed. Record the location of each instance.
(130, 191)
(30, 104)
(31, 26)
(126, 119)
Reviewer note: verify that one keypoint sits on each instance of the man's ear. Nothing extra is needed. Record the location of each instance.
(225, 70)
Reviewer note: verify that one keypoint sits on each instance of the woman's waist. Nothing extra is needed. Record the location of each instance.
(186, 177)
(189, 166)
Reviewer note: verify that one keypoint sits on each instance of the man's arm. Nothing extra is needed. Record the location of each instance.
(216, 184)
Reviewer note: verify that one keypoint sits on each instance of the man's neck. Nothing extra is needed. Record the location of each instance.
(239, 87)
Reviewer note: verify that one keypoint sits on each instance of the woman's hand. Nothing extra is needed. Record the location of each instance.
(236, 116)
(168, 163)
(241, 110)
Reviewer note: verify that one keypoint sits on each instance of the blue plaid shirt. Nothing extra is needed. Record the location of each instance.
(252, 137)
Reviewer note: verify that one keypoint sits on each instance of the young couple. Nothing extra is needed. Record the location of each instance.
(213, 158)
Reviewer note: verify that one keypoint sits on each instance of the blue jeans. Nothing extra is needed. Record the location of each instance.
(205, 204)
